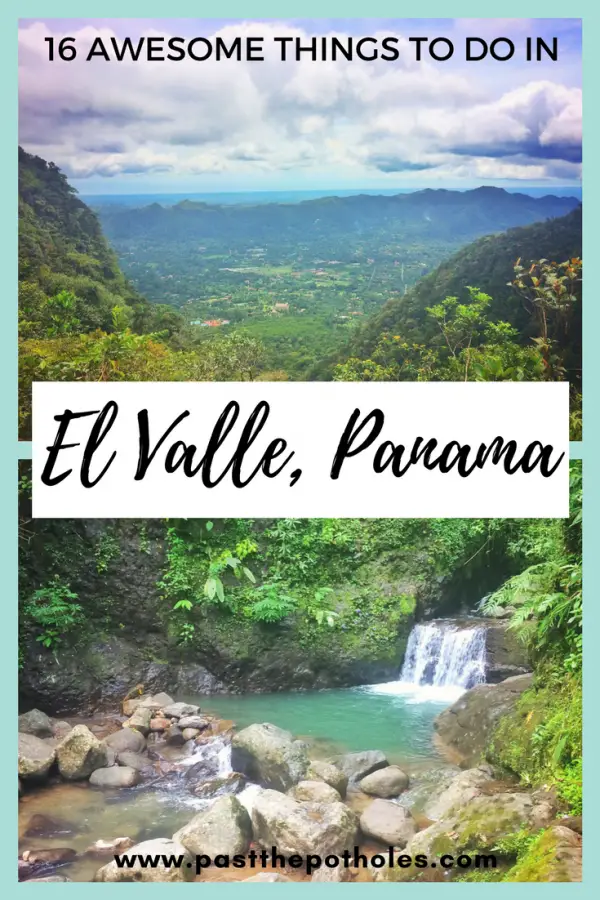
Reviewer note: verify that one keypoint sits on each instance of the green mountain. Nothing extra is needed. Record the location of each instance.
(486, 264)
(423, 215)
(62, 248)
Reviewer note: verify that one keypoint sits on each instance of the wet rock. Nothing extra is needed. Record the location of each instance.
(79, 754)
(130, 706)
(304, 828)
(160, 724)
(267, 878)
(37, 723)
(107, 849)
(575, 823)
(52, 856)
(225, 827)
(357, 766)
(315, 792)
(42, 826)
(270, 756)
(328, 773)
(190, 733)
(175, 737)
(35, 758)
(388, 823)
(387, 782)
(461, 790)
(134, 760)
(126, 739)
(198, 722)
(219, 787)
(115, 777)
(140, 721)
(467, 726)
(505, 655)
(179, 710)
(158, 847)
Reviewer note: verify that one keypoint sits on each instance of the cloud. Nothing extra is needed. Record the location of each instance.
(236, 119)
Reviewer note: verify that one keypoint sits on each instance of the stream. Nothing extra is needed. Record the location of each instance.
(441, 662)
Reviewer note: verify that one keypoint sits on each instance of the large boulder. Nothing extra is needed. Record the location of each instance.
(461, 790)
(223, 828)
(134, 760)
(388, 822)
(37, 723)
(356, 766)
(554, 857)
(179, 710)
(319, 770)
(270, 756)
(302, 828)
(115, 777)
(505, 655)
(387, 782)
(79, 754)
(154, 702)
(481, 823)
(126, 739)
(199, 722)
(158, 848)
(468, 725)
(35, 757)
(314, 792)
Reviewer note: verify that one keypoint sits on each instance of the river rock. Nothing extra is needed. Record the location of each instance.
(357, 766)
(190, 733)
(140, 721)
(315, 792)
(234, 783)
(155, 702)
(388, 823)
(79, 754)
(270, 756)
(134, 760)
(126, 739)
(334, 875)
(480, 824)
(319, 770)
(115, 777)
(61, 729)
(174, 736)
(467, 726)
(387, 782)
(267, 878)
(52, 856)
(505, 654)
(37, 723)
(179, 710)
(159, 724)
(303, 828)
(224, 827)
(35, 757)
(198, 722)
(129, 706)
(43, 826)
(107, 849)
(158, 847)
(461, 790)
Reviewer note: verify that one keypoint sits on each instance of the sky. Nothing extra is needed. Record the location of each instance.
(157, 127)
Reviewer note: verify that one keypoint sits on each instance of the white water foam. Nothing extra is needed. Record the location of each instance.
(442, 661)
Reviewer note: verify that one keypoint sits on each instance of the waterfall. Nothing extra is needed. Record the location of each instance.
(442, 661)
(445, 656)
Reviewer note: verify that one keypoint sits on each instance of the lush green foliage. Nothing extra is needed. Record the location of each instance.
(52, 612)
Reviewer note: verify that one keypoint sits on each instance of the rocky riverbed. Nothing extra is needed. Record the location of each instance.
(164, 777)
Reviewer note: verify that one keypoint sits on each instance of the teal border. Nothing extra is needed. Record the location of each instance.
(11, 450)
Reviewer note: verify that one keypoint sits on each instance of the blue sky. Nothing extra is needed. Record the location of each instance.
(215, 126)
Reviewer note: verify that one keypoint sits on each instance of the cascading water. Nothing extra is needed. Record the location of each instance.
(442, 661)
(445, 656)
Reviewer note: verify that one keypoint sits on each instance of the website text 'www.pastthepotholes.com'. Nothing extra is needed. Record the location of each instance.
(273, 860)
